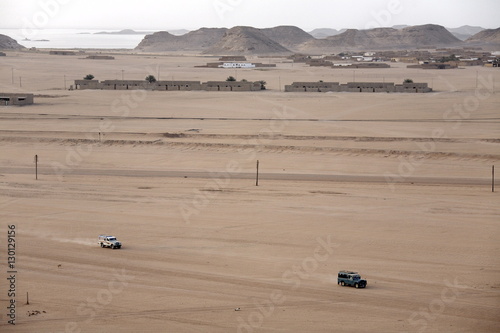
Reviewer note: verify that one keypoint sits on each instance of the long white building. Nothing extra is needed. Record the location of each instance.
(237, 65)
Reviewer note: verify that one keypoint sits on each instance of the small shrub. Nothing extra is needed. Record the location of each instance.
(150, 78)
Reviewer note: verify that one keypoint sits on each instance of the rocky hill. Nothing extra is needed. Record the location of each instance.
(7, 43)
(429, 34)
(489, 36)
(288, 36)
(288, 39)
(384, 38)
(194, 41)
(246, 40)
(325, 32)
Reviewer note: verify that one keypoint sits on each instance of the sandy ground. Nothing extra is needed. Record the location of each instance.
(394, 186)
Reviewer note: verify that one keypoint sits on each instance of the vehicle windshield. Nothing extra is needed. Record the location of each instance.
(356, 277)
(111, 238)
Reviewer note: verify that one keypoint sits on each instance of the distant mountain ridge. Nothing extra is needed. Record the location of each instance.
(461, 33)
(465, 31)
(291, 39)
(385, 38)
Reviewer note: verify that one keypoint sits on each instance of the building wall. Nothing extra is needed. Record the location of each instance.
(237, 65)
(7, 99)
(366, 87)
(100, 57)
(229, 86)
(176, 85)
(62, 53)
(233, 58)
(88, 84)
(313, 86)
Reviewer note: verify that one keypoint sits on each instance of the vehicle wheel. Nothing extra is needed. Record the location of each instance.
(356, 285)
(342, 283)
(102, 245)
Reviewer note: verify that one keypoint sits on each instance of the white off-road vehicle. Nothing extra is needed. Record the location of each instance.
(109, 241)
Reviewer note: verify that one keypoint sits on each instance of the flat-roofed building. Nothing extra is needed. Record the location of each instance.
(312, 86)
(231, 86)
(364, 87)
(8, 99)
(61, 52)
(368, 87)
(176, 85)
(87, 84)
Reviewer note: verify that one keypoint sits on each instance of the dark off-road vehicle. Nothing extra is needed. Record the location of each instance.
(353, 279)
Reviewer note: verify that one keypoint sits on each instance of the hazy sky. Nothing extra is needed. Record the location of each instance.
(193, 14)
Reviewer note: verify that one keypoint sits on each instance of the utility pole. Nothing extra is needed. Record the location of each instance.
(493, 179)
(257, 176)
(122, 73)
(36, 167)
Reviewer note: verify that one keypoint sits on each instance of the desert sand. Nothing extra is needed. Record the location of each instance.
(394, 186)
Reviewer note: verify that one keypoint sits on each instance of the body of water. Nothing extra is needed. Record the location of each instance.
(72, 38)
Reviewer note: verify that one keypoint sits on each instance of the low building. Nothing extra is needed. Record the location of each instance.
(313, 87)
(493, 63)
(319, 62)
(363, 65)
(176, 85)
(364, 87)
(87, 84)
(231, 86)
(368, 87)
(434, 65)
(100, 57)
(230, 65)
(233, 58)
(168, 85)
(125, 84)
(65, 53)
(237, 65)
(412, 88)
(7, 99)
